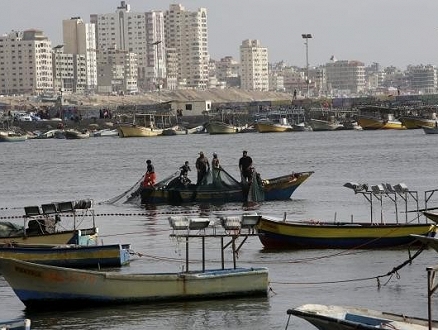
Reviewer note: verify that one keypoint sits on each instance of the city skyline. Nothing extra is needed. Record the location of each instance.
(391, 32)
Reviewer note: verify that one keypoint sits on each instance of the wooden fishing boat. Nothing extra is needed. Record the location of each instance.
(43, 286)
(431, 242)
(220, 127)
(430, 130)
(16, 324)
(271, 126)
(69, 255)
(279, 234)
(325, 125)
(73, 134)
(412, 122)
(374, 123)
(145, 125)
(218, 187)
(330, 317)
(42, 225)
(10, 136)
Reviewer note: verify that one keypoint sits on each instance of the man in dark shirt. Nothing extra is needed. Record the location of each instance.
(245, 166)
(149, 177)
(202, 166)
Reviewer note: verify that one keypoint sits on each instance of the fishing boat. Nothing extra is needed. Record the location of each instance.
(330, 317)
(279, 234)
(372, 234)
(433, 216)
(431, 242)
(430, 130)
(272, 126)
(219, 187)
(413, 122)
(10, 136)
(106, 132)
(15, 324)
(69, 255)
(387, 121)
(42, 286)
(220, 127)
(145, 125)
(73, 134)
(325, 125)
(47, 225)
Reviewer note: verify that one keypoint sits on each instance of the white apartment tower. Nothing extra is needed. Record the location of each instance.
(345, 76)
(156, 65)
(69, 71)
(25, 63)
(134, 32)
(80, 39)
(186, 33)
(254, 67)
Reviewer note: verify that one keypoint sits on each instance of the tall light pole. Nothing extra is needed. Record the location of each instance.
(307, 36)
(156, 43)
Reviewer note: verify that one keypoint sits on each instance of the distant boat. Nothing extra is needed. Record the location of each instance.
(374, 123)
(144, 125)
(325, 125)
(105, 133)
(10, 136)
(412, 122)
(272, 126)
(330, 317)
(430, 130)
(220, 127)
(73, 134)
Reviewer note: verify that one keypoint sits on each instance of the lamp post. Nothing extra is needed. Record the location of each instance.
(156, 43)
(307, 36)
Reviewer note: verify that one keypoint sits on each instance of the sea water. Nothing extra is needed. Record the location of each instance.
(43, 171)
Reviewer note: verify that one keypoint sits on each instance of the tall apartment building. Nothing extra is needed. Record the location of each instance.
(117, 71)
(423, 78)
(345, 76)
(227, 70)
(186, 32)
(254, 67)
(79, 38)
(69, 71)
(25, 63)
(134, 32)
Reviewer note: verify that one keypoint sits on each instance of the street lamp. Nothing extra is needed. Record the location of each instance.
(156, 43)
(307, 36)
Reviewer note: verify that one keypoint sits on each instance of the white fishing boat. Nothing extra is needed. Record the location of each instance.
(41, 286)
(329, 317)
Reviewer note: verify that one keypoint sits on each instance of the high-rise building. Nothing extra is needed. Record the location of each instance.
(135, 32)
(423, 78)
(69, 71)
(186, 32)
(79, 38)
(345, 76)
(254, 67)
(25, 63)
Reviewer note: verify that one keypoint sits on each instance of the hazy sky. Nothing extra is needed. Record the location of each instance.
(390, 32)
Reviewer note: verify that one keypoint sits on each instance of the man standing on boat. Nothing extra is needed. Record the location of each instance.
(202, 166)
(183, 175)
(245, 166)
(149, 177)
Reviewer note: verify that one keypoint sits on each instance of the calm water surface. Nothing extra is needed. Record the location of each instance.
(43, 171)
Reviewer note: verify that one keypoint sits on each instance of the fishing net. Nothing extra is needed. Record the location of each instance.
(256, 192)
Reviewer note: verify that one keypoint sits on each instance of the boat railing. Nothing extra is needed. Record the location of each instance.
(232, 228)
(48, 215)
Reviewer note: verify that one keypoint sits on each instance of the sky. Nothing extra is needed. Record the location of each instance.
(389, 32)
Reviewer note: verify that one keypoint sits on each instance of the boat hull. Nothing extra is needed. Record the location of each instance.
(324, 125)
(352, 318)
(280, 188)
(214, 127)
(73, 256)
(275, 234)
(41, 286)
(79, 237)
(138, 131)
(413, 122)
(17, 324)
(273, 128)
(372, 123)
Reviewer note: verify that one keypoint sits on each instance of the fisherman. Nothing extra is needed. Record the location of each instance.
(215, 161)
(202, 166)
(245, 166)
(149, 177)
(183, 176)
